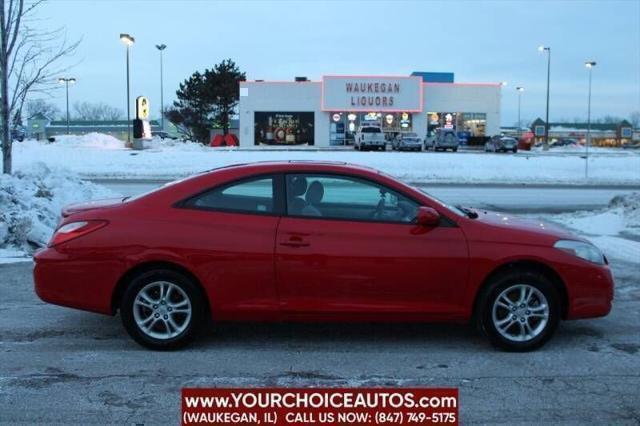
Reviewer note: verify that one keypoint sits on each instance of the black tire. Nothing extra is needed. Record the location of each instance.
(515, 150)
(502, 282)
(454, 149)
(194, 294)
(383, 148)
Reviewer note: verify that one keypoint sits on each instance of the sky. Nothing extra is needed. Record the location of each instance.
(478, 41)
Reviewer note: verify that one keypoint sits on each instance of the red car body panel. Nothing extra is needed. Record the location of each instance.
(273, 267)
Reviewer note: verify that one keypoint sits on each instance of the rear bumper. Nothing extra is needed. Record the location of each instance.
(65, 280)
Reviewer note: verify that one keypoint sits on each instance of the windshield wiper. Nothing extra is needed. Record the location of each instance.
(470, 213)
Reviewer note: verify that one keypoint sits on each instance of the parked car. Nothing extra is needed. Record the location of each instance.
(564, 142)
(501, 144)
(298, 240)
(407, 141)
(370, 137)
(442, 139)
(18, 133)
(164, 135)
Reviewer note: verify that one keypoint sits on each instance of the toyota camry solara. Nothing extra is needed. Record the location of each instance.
(313, 241)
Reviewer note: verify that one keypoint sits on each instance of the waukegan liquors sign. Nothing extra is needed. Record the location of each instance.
(365, 93)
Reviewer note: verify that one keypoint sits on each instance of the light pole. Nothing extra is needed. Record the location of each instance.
(161, 47)
(589, 65)
(546, 121)
(520, 90)
(128, 41)
(66, 81)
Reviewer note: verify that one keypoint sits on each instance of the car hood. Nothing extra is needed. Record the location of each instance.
(91, 205)
(523, 229)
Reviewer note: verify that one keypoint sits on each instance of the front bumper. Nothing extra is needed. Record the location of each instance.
(590, 290)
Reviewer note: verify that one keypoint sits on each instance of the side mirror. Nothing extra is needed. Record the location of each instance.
(427, 216)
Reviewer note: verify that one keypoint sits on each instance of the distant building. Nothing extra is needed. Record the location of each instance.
(330, 111)
(40, 127)
(602, 134)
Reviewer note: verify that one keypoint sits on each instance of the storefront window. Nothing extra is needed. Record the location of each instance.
(472, 123)
(344, 125)
(284, 128)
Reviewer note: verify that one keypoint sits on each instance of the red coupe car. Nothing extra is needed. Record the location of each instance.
(316, 241)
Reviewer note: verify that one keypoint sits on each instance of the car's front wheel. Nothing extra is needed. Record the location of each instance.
(162, 309)
(519, 311)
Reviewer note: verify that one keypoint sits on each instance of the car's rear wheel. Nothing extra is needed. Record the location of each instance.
(519, 311)
(162, 309)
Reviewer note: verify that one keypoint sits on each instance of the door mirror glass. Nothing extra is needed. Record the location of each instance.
(427, 216)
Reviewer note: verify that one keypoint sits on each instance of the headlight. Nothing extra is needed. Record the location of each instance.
(582, 250)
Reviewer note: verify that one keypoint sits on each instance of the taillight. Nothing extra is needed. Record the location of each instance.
(74, 230)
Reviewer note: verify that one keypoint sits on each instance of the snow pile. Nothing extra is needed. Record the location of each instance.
(628, 206)
(175, 144)
(615, 229)
(31, 201)
(90, 140)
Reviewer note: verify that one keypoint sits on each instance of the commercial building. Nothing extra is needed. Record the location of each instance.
(602, 134)
(329, 112)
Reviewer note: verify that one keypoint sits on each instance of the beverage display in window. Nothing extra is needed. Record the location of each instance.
(284, 128)
(470, 127)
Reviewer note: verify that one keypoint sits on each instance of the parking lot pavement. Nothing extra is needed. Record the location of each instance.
(59, 365)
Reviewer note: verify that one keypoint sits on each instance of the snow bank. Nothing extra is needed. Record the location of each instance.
(159, 144)
(615, 229)
(90, 140)
(167, 159)
(31, 200)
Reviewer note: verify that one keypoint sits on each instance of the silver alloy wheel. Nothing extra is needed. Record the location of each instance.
(520, 313)
(162, 310)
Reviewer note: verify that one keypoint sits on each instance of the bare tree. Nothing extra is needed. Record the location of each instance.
(96, 111)
(41, 106)
(29, 61)
(634, 119)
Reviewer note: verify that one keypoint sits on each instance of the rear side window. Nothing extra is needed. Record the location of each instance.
(246, 196)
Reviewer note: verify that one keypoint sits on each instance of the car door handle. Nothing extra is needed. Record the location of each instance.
(293, 244)
(294, 241)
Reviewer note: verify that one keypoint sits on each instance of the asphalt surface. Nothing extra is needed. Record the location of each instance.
(59, 365)
(508, 198)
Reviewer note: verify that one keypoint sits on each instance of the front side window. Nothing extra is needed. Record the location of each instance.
(345, 197)
(250, 196)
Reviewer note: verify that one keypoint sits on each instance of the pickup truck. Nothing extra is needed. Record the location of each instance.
(370, 137)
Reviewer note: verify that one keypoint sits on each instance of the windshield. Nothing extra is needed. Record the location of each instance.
(453, 208)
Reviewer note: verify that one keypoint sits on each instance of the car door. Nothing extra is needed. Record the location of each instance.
(347, 247)
(228, 233)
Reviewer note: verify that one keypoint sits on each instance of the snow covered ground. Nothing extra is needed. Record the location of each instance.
(31, 201)
(102, 156)
(614, 229)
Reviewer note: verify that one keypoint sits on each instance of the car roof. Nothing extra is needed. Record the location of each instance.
(295, 165)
